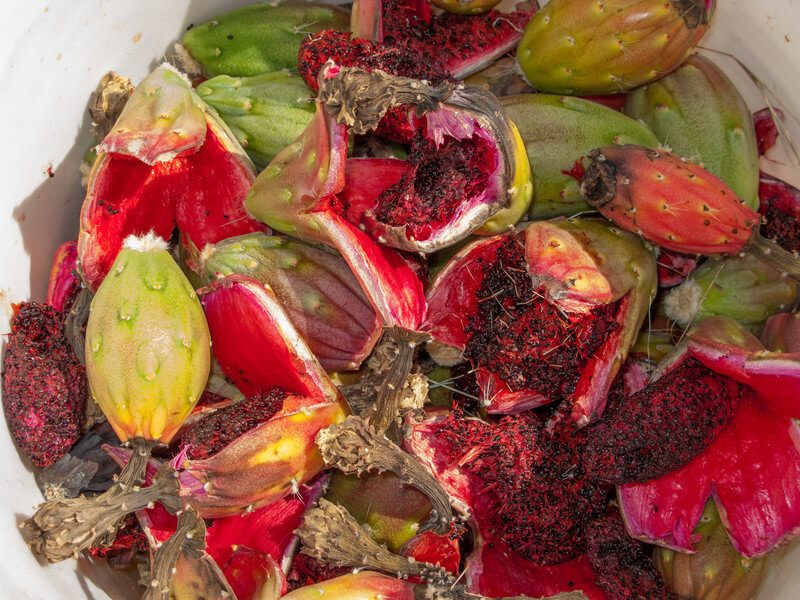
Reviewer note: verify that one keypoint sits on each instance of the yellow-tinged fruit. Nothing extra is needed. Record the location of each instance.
(465, 7)
(148, 351)
(520, 194)
(364, 585)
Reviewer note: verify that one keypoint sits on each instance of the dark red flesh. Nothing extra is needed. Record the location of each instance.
(780, 212)
(347, 51)
(766, 129)
(308, 571)
(623, 567)
(518, 335)
(212, 433)
(526, 487)
(457, 41)
(247, 570)
(613, 101)
(44, 385)
(130, 540)
(662, 427)
(674, 267)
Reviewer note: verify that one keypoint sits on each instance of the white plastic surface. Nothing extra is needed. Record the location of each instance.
(54, 53)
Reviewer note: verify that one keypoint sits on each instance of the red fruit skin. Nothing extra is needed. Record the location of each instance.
(436, 549)
(752, 471)
(203, 191)
(674, 268)
(780, 212)
(766, 129)
(462, 44)
(248, 571)
(782, 333)
(671, 202)
(663, 426)
(623, 567)
(44, 385)
(494, 571)
(64, 282)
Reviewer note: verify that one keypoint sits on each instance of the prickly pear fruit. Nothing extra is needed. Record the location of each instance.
(260, 38)
(698, 112)
(667, 200)
(265, 113)
(782, 333)
(465, 7)
(590, 47)
(715, 571)
(314, 286)
(559, 131)
(500, 78)
(744, 288)
(147, 343)
(360, 585)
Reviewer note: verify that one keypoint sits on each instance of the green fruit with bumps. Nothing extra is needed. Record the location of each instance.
(558, 132)
(266, 112)
(699, 114)
(148, 347)
(715, 571)
(260, 38)
(591, 47)
(744, 288)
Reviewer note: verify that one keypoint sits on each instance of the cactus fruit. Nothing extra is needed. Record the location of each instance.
(586, 47)
(715, 571)
(559, 132)
(676, 204)
(356, 586)
(147, 343)
(261, 38)
(698, 112)
(147, 360)
(314, 286)
(744, 288)
(782, 332)
(549, 269)
(752, 467)
(265, 113)
(44, 385)
(168, 160)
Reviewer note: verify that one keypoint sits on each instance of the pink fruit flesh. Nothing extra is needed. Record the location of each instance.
(204, 192)
(436, 549)
(766, 129)
(64, 283)
(752, 470)
(256, 345)
(249, 571)
(674, 267)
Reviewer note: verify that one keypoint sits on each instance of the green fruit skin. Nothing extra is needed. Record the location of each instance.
(558, 131)
(603, 47)
(715, 571)
(744, 288)
(265, 112)
(148, 347)
(389, 509)
(260, 38)
(699, 114)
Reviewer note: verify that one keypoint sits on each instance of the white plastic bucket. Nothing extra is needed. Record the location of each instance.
(54, 53)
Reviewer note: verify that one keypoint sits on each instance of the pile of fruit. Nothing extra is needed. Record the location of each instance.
(417, 301)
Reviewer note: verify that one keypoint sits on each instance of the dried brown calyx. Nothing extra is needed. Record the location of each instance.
(354, 447)
(361, 98)
(186, 544)
(332, 536)
(63, 528)
(362, 395)
(107, 102)
(392, 386)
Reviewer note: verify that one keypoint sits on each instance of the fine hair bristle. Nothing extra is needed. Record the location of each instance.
(148, 242)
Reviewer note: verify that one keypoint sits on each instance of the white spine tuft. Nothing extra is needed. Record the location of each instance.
(682, 303)
(148, 242)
